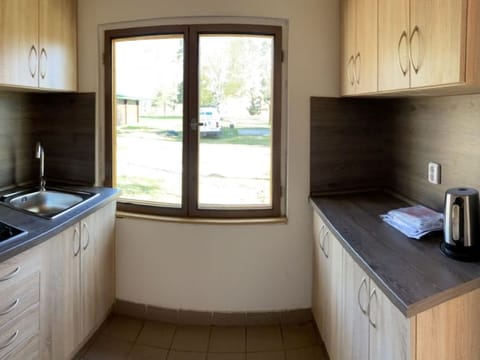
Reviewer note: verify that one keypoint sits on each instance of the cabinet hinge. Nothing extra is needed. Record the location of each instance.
(283, 56)
(103, 59)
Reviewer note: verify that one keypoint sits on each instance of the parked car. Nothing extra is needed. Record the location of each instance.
(210, 122)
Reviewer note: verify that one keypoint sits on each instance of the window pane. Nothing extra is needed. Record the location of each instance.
(148, 88)
(235, 109)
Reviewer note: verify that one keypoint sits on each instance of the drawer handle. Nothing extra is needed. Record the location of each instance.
(12, 274)
(11, 307)
(11, 340)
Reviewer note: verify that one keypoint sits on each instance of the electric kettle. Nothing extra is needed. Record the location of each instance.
(461, 229)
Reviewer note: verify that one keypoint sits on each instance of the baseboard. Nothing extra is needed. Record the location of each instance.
(180, 316)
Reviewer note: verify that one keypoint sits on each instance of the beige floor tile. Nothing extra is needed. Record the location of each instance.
(191, 338)
(105, 348)
(298, 336)
(123, 328)
(271, 355)
(264, 338)
(309, 353)
(226, 356)
(142, 352)
(156, 334)
(227, 339)
(183, 355)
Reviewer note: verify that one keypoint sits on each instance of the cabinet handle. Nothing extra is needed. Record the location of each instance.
(416, 30)
(350, 71)
(326, 239)
(12, 274)
(76, 238)
(357, 73)
(85, 227)
(363, 283)
(320, 232)
(10, 308)
(403, 36)
(321, 242)
(43, 69)
(32, 64)
(373, 294)
(11, 340)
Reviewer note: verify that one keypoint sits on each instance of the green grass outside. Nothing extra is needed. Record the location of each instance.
(226, 136)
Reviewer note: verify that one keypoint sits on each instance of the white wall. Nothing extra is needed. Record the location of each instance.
(227, 267)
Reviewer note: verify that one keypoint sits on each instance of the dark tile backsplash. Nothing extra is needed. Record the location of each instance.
(64, 123)
(387, 143)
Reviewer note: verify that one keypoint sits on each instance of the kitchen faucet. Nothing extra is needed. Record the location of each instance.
(39, 154)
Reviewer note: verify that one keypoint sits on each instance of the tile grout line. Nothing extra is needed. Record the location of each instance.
(284, 345)
(210, 330)
(246, 342)
(136, 339)
(169, 350)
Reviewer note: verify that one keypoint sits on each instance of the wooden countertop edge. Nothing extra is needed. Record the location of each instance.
(409, 310)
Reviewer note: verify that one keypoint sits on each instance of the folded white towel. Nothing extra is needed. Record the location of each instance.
(414, 221)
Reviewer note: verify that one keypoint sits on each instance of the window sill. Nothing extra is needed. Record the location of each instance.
(184, 220)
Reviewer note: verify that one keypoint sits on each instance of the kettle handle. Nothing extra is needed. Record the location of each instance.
(456, 222)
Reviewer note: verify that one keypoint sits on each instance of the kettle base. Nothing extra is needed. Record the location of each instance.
(467, 255)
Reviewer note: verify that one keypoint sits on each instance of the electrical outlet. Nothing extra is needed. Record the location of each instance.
(434, 173)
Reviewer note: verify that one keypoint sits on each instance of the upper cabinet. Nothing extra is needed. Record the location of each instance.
(359, 47)
(58, 44)
(38, 42)
(421, 43)
(19, 42)
(426, 46)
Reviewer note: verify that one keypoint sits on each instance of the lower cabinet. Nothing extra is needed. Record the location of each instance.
(81, 287)
(354, 317)
(21, 278)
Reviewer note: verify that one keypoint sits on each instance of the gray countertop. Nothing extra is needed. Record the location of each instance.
(414, 274)
(40, 229)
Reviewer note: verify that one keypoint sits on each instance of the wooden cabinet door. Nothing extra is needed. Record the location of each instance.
(437, 41)
(105, 260)
(19, 42)
(58, 44)
(64, 293)
(450, 330)
(365, 60)
(348, 47)
(333, 252)
(317, 300)
(354, 308)
(389, 329)
(87, 268)
(393, 45)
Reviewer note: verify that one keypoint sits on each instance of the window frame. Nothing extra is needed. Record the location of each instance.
(191, 35)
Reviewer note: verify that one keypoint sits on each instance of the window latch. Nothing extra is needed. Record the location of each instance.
(195, 124)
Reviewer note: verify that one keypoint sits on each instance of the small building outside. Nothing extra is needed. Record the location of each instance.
(128, 110)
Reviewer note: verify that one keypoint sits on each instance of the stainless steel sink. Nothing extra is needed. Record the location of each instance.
(49, 203)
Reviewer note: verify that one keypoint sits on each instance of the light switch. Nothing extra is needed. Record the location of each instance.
(434, 173)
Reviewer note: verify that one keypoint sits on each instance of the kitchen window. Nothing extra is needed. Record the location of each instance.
(193, 120)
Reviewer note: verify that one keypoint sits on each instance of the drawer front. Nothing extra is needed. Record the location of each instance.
(18, 297)
(19, 267)
(18, 330)
(28, 350)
